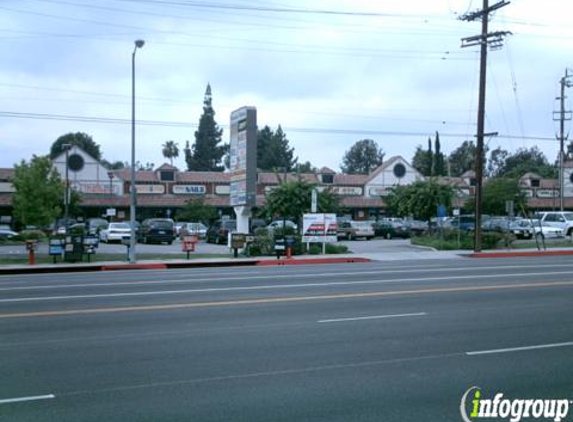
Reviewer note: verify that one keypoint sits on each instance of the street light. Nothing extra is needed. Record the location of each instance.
(110, 175)
(138, 44)
(67, 147)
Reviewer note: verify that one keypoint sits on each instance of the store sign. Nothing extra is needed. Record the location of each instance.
(95, 188)
(319, 228)
(547, 193)
(189, 190)
(243, 157)
(150, 189)
(7, 187)
(378, 191)
(222, 190)
(342, 190)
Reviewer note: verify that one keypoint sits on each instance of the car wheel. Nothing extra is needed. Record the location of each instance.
(348, 236)
(169, 243)
(145, 239)
(388, 236)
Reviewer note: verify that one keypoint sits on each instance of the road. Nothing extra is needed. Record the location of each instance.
(393, 341)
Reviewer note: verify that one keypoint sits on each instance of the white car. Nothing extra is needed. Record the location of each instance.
(539, 228)
(114, 232)
(363, 229)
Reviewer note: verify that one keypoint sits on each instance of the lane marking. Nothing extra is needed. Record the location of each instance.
(283, 372)
(370, 317)
(520, 349)
(190, 305)
(30, 398)
(248, 276)
(274, 287)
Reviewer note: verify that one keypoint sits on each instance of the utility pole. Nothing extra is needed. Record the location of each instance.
(563, 116)
(484, 40)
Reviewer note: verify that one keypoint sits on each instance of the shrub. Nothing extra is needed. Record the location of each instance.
(31, 235)
(315, 249)
(334, 249)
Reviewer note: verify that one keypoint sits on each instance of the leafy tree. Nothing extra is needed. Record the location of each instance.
(363, 157)
(463, 158)
(170, 150)
(422, 160)
(195, 210)
(525, 160)
(305, 167)
(207, 153)
(80, 139)
(273, 151)
(116, 165)
(293, 199)
(39, 192)
(496, 162)
(496, 192)
(420, 199)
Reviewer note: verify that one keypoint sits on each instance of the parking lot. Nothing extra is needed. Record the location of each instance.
(356, 246)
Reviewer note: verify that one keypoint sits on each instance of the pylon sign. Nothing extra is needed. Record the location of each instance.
(243, 157)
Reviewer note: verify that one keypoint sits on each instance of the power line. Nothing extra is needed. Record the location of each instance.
(331, 131)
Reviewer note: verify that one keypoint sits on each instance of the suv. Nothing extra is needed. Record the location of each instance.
(156, 230)
(560, 219)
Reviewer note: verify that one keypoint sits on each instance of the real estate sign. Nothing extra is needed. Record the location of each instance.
(319, 228)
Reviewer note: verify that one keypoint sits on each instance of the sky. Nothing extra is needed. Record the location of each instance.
(329, 72)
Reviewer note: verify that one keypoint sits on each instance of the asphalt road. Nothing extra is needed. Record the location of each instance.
(399, 341)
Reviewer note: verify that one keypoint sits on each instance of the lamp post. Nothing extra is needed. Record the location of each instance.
(138, 44)
(110, 175)
(67, 147)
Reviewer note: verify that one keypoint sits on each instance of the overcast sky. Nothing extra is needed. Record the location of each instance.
(392, 71)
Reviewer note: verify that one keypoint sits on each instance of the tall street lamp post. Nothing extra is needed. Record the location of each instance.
(110, 175)
(138, 44)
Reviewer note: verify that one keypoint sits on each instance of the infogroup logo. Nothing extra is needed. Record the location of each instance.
(512, 409)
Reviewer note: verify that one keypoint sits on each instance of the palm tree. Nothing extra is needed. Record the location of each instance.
(170, 150)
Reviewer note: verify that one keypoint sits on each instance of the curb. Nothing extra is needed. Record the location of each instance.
(519, 254)
(172, 265)
(268, 263)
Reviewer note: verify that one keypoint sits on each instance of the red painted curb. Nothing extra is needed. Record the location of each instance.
(519, 254)
(133, 267)
(311, 261)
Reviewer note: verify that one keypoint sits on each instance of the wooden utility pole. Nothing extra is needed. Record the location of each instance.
(563, 115)
(484, 40)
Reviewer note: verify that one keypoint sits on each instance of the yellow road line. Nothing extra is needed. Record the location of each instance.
(172, 306)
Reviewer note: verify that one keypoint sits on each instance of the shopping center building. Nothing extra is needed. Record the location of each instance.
(161, 192)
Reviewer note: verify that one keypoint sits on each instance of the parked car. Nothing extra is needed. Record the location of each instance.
(94, 225)
(363, 229)
(219, 231)
(156, 230)
(560, 219)
(178, 226)
(521, 229)
(345, 231)
(391, 229)
(7, 234)
(540, 228)
(416, 227)
(60, 225)
(193, 229)
(114, 232)
(257, 223)
(279, 224)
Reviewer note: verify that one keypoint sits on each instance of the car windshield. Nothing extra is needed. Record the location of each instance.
(568, 216)
(164, 225)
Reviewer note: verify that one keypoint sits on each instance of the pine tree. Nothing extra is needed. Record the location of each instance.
(273, 150)
(207, 153)
(438, 159)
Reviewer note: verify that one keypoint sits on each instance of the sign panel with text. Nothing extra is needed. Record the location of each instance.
(243, 157)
